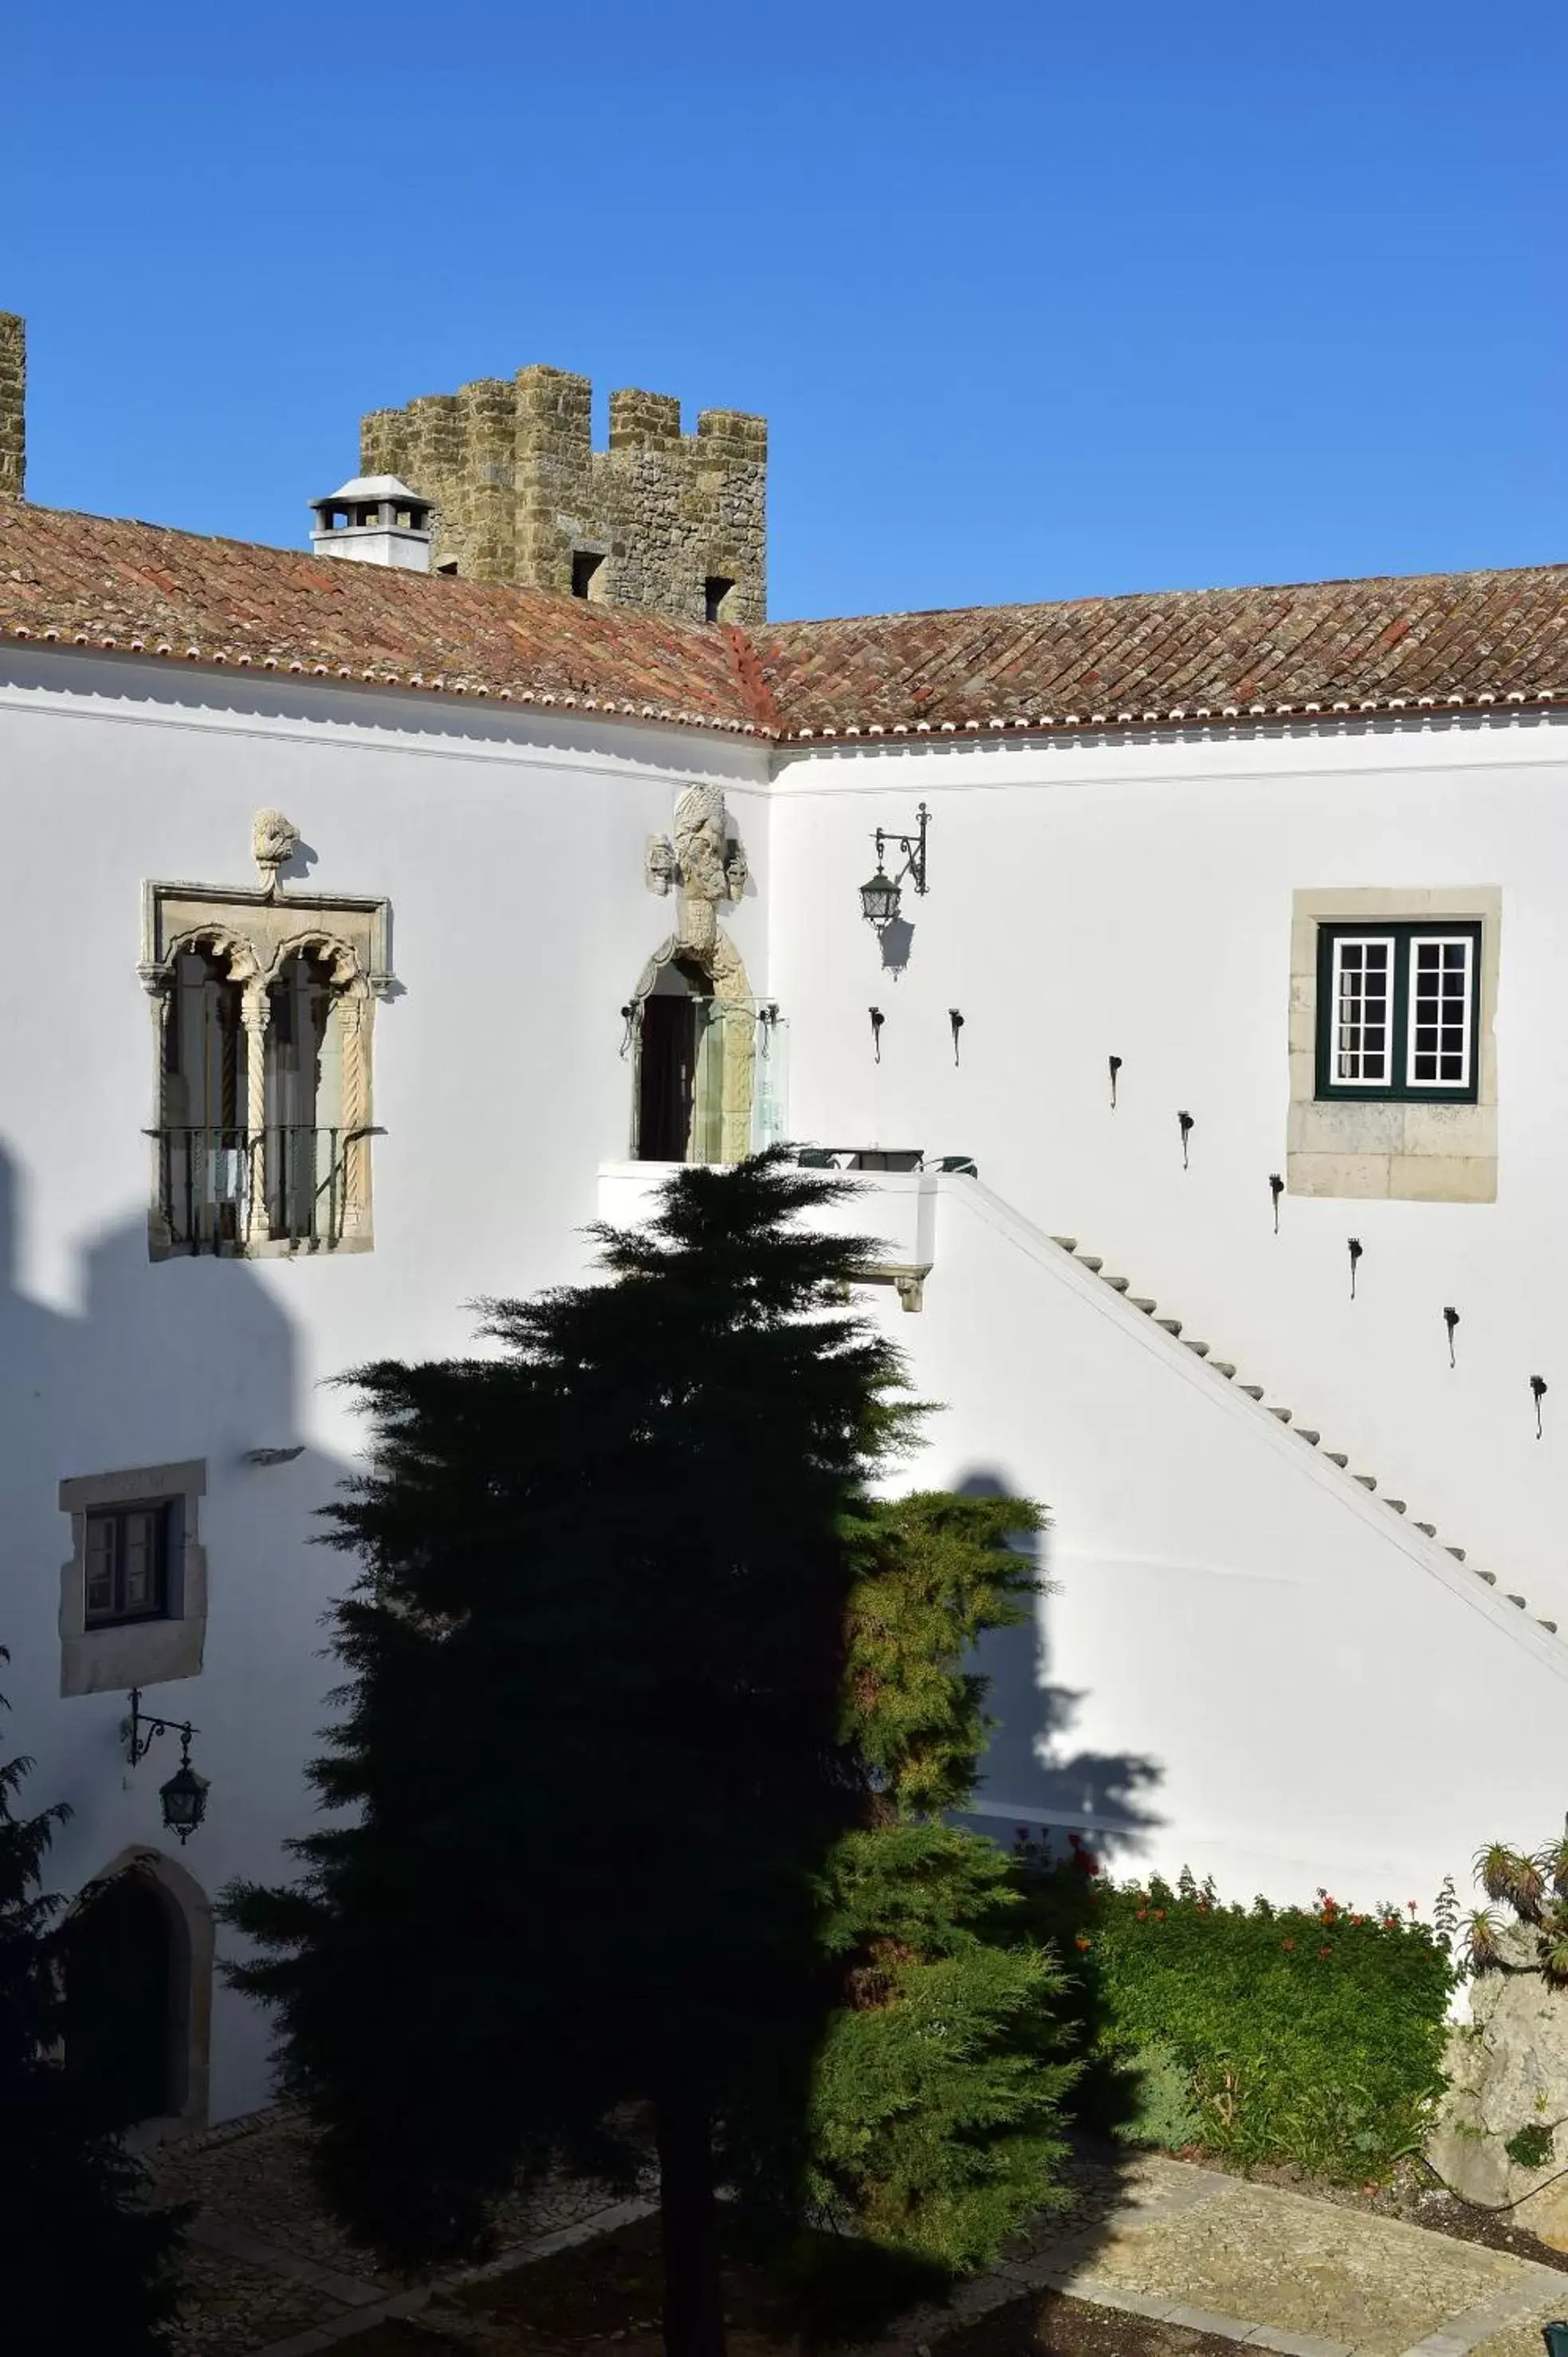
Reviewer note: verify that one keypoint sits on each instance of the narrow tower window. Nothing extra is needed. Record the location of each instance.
(584, 565)
(715, 590)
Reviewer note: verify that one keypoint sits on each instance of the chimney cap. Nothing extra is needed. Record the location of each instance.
(373, 487)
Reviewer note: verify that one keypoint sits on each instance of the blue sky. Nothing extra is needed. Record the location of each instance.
(1039, 302)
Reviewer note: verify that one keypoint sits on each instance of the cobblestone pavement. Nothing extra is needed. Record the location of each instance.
(263, 2267)
(267, 2276)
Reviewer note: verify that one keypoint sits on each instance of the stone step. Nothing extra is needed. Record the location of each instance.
(1550, 1626)
(1200, 1348)
(1223, 1367)
(1067, 1243)
(1457, 1553)
(1091, 1261)
(1148, 1308)
(1310, 1438)
(1394, 1505)
(1368, 1481)
(1171, 1325)
(1489, 1577)
(1518, 1600)
(1335, 1459)
(1283, 1413)
(1253, 1391)
(1430, 1528)
(1118, 1284)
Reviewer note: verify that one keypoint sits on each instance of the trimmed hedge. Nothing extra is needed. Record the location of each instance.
(1312, 2036)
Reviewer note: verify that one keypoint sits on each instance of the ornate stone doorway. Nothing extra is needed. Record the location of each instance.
(693, 1018)
(138, 1991)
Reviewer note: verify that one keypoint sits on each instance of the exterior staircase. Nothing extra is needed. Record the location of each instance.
(1226, 1373)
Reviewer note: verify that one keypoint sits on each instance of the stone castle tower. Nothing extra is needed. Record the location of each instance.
(671, 522)
(13, 405)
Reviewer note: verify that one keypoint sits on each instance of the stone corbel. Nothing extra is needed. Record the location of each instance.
(906, 1278)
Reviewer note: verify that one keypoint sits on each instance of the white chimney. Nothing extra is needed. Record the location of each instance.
(376, 519)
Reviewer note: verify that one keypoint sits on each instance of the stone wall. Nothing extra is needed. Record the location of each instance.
(522, 495)
(13, 399)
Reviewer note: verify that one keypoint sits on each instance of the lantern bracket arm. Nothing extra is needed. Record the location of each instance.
(142, 1726)
(913, 847)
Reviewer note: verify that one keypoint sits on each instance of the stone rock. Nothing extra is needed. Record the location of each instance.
(1508, 2069)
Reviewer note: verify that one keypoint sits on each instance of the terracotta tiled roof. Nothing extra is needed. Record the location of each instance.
(1431, 640)
(82, 580)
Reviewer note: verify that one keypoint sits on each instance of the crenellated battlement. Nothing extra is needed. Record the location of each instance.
(665, 521)
(13, 405)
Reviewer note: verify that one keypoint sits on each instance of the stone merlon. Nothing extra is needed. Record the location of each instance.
(665, 522)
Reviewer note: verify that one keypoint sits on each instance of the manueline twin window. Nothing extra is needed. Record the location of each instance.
(1398, 1011)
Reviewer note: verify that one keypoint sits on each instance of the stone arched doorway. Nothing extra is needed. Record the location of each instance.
(137, 1962)
(695, 1027)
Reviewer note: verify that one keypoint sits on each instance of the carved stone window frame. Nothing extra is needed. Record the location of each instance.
(120, 1655)
(254, 931)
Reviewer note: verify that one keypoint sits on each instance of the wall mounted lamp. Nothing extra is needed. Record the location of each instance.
(1115, 1067)
(1276, 1189)
(877, 1020)
(1354, 1249)
(628, 1020)
(1451, 1319)
(184, 1797)
(1185, 1123)
(956, 1020)
(881, 898)
(1538, 1391)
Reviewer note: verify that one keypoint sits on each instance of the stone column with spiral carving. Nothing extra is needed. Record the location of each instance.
(256, 1011)
(353, 1011)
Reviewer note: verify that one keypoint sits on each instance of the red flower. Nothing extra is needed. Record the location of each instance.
(1159, 1914)
(1080, 1941)
(1326, 1952)
(1287, 1944)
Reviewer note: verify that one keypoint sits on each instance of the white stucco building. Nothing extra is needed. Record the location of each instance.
(280, 1093)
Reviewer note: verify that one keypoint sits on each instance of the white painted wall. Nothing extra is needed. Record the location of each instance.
(1251, 1666)
(1135, 898)
(511, 850)
(1277, 1648)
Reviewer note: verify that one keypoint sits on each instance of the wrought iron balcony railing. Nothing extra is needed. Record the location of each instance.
(221, 1189)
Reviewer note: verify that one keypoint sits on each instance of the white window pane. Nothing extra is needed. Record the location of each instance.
(1361, 975)
(1440, 1049)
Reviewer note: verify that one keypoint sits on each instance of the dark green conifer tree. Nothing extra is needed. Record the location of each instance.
(84, 2261)
(593, 1739)
(936, 2126)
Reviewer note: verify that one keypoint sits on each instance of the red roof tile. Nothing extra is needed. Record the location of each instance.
(1433, 639)
(85, 580)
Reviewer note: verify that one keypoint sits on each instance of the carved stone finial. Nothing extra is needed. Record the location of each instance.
(274, 842)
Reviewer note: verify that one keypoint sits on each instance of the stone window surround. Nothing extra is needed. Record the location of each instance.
(1414, 1151)
(129, 1653)
(254, 930)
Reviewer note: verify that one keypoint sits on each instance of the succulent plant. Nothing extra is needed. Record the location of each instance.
(1480, 1936)
(1514, 1875)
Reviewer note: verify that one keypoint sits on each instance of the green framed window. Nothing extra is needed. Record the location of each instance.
(1398, 1012)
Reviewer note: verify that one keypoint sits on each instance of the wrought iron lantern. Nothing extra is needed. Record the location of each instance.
(183, 1798)
(881, 899)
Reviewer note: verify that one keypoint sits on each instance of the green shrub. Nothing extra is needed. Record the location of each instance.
(1312, 2036)
(1532, 2145)
(1164, 2114)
